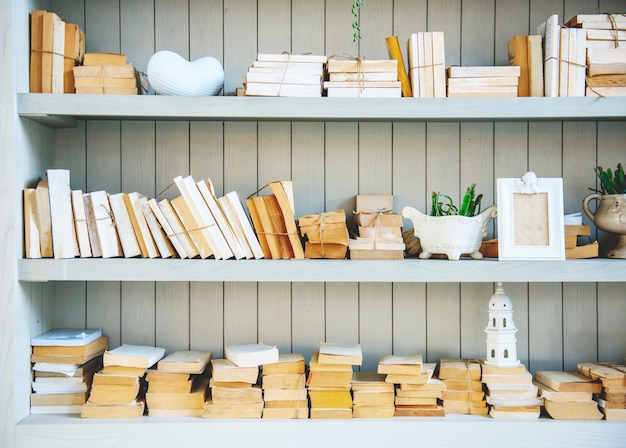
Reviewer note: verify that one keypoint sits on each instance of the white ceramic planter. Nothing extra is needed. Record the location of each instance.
(452, 235)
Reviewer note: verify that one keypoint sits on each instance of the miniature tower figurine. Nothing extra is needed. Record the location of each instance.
(501, 340)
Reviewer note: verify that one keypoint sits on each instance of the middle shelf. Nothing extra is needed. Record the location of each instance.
(409, 270)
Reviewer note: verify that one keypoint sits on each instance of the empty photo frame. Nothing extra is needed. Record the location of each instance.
(530, 218)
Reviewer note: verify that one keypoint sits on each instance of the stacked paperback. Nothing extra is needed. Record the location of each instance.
(325, 235)
(499, 81)
(284, 387)
(273, 216)
(329, 380)
(178, 386)
(284, 74)
(464, 390)
(510, 392)
(417, 393)
(378, 230)
(55, 48)
(118, 388)
(372, 396)
(106, 73)
(65, 361)
(427, 69)
(359, 77)
(234, 385)
(568, 395)
(612, 398)
(64, 223)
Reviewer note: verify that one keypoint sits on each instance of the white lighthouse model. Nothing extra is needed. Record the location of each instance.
(501, 340)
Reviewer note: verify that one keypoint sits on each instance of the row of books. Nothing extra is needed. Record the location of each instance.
(584, 57)
(75, 372)
(64, 223)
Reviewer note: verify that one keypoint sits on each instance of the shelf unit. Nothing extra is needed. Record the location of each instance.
(565, 309)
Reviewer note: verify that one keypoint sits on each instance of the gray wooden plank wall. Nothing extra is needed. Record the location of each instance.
(329, 163)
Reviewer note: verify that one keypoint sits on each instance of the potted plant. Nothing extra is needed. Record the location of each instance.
(452, 230)
(610, 214)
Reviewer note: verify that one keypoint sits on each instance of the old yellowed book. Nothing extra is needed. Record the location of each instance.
(403, 364)
(100, 59)
(288, 363)
(185, 361)
(567, 381)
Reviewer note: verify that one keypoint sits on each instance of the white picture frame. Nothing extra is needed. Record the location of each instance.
(530, 218)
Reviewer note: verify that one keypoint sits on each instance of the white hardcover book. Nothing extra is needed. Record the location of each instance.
(572, 57)
(43, 219)
(66, 337)
(235, 204)
(412, 51)
(236, 227)
(128, 239)
(62, 218)
(128, 355)
(580, 62)
(167, 228)
(94, 240)
(162, 242)
(564, 62)
(439, 65)
(251, 355)
(107, 234)
(550, 30)
(206, 190)
(80, 224)
(200, 211)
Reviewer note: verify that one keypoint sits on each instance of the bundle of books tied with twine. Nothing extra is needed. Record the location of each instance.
(350, 76)
(325, 235)
(378, 230)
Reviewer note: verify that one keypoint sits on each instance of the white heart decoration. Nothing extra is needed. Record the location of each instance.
(171, 74)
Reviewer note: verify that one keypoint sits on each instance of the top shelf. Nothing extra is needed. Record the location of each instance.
(62, 110)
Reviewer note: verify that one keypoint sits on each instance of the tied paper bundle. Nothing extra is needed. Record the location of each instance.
(464, 390)
(325, 235)
(379, 237)
(349, 76)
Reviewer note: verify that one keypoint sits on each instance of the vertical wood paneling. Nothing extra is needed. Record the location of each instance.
(375, 323)
(512, 18)
(511, 150)
(102, 26)
(545, 306)
(477, 48)
(139, 312)
(443, 325)
(445, 15)
(545, 149)
(206, 28)
(69, 306)
(477, 160)
(307, 149)
(339, 32)
(172, 316)
(274, 309)
(375, 158)
(540, 10)
(518, 293)
(442, 165)
(579, 157)
(611, 328)
(274, 24)
(342, 312)
(409, 16)
(342, 151)
(240, 37)
(104, 310)
(307, 26)
(409, 318)
(376, 21)
(580, 324)
(474, 312)
(409, 167)
(240, 313)
(206, 328)
(307, 319)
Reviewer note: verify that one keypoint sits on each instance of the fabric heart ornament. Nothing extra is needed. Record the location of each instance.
(171, 74)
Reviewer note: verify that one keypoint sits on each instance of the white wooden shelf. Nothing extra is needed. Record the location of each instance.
(452, 430)
(408, 270)
(62, 110)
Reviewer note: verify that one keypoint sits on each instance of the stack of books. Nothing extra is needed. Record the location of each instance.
(417, 392)
(106, 73)
(118, 388)
(612, 399)
(325, 235)
(372, 396)
(568, 395)
(273, 217)
(284, 387)
(55, 48)
(65, 361)
(427, 69)
(179, 384)
(601, 30)
(329, 380)
(500, 81)
(235, 391)
(64, 223)
(363, 78)
(379, 237)
(464, 389)
(511, 393)
(290, 75)
(526, 52)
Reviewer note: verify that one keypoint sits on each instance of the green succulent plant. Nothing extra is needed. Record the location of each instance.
(611, 182)
(443, 205)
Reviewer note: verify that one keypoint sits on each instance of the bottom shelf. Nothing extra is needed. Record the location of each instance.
(452, 430)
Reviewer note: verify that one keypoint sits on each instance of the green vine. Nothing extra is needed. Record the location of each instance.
(355, 24)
